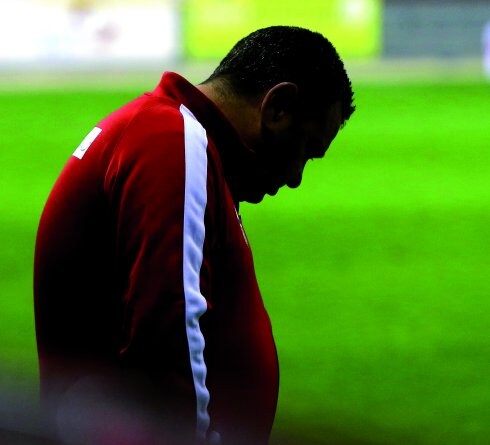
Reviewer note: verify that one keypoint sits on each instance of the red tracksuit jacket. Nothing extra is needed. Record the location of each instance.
(143, 269)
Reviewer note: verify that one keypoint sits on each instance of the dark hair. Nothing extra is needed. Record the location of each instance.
(277, 54)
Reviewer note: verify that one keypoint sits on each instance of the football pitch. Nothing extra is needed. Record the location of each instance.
(375, 271)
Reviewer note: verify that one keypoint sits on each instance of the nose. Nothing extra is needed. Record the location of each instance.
(296, 177)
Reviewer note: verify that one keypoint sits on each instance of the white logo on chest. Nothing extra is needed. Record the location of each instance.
(86, 143)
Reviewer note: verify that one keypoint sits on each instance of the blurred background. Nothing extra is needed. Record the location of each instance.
(375, 271)
(442, 37)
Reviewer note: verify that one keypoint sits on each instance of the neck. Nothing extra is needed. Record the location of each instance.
(243, 113)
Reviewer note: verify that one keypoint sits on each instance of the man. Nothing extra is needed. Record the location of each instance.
(144, 281)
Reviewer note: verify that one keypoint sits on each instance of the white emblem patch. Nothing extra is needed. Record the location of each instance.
(86, 143)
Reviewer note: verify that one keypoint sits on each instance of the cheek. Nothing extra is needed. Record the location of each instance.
(283, 154)
(296, 155)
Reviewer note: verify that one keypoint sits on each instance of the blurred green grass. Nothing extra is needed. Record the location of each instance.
(374, 271)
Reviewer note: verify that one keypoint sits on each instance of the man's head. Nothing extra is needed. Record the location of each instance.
(287, 92)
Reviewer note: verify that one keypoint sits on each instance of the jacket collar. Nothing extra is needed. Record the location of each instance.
(231, 148)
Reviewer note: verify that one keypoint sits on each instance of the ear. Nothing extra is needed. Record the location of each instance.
(278, 106)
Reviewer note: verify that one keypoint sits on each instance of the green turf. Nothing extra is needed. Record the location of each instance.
(374, 271)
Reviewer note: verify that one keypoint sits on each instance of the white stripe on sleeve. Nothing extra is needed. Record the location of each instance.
(195, 200)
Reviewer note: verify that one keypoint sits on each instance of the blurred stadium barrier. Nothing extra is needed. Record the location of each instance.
(103, 32)
(211, 27)
(62, 32)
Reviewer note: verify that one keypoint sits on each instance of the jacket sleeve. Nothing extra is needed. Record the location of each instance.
(156, 183)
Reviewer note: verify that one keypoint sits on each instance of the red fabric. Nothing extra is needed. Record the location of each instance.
(108, 281)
